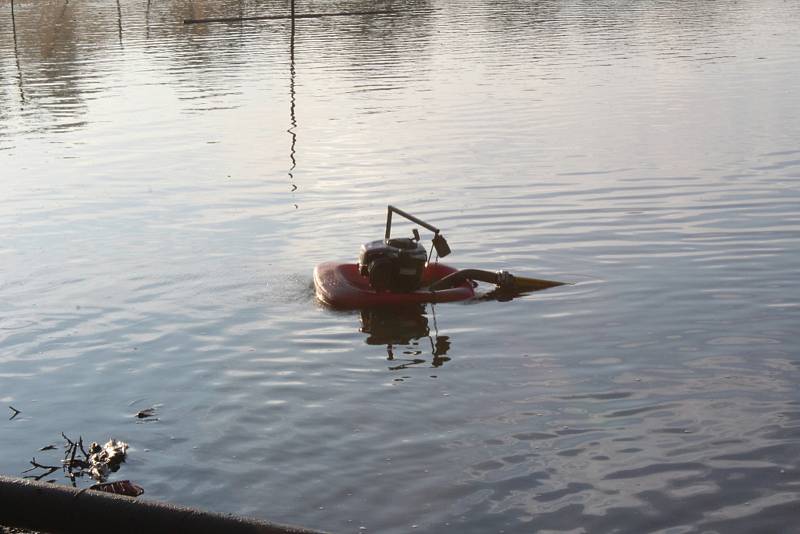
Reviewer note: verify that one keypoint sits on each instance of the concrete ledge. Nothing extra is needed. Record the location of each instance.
(56, 509)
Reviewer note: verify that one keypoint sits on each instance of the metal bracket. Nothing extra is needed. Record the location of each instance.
(439, 242)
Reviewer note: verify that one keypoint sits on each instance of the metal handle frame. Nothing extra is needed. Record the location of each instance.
(408, 216)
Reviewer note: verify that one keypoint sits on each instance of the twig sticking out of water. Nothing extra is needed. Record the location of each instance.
(74, 467)
(36, 465)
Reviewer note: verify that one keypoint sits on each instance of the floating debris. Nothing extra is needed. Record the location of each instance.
(147, 412)
(106, 459)
(16, 413)
(98, 462)
(49, 469)
(121, 487)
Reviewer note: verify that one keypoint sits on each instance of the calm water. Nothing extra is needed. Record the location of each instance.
(167, 190)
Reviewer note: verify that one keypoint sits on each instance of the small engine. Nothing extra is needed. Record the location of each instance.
(393, 264)
(397, 264)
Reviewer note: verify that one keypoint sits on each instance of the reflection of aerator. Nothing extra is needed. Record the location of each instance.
(394, 326)
(403, 326)
(398, 271)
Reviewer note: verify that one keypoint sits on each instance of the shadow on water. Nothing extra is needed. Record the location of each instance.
(406, 334)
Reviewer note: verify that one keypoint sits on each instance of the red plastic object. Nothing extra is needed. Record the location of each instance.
(120, 487)
(341, 286)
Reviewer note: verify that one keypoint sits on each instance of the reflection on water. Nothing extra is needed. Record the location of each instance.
(154, 254)
(16, 55)
(407, 326)
(119, 21)
(292, 105)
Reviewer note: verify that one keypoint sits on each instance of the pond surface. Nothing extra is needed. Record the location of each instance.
(167, 189)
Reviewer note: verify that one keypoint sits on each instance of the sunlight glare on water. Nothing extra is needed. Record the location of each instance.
(167, 189)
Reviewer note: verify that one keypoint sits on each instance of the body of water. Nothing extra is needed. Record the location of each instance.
(167, 189)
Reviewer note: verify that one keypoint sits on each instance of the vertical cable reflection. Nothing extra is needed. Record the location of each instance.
(241, 17)
(293, 118)
(16, 55)
(119, 22)
(147, 21)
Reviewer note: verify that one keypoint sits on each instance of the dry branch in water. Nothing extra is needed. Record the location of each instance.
(97, 463)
